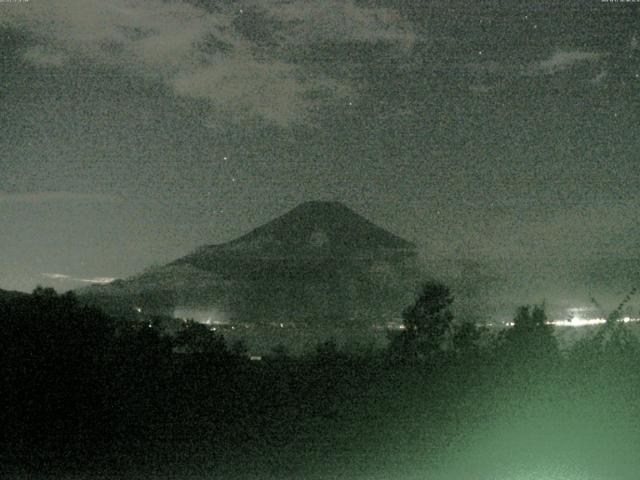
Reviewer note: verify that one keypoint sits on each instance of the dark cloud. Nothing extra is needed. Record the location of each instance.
(228, 55)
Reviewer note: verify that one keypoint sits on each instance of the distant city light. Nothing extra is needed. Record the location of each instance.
(578, 322)
(207, 316)
(220, 320)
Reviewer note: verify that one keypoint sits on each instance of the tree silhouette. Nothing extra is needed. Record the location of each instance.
(198, 339)
(612, 344)
(428, 321)
(531, 338)
(466, 338)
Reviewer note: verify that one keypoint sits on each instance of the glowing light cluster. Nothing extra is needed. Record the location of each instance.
(574, 322)
(578, 322)
(207, 316)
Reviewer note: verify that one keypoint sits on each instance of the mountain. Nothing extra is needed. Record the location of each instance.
(318, 263)
(314, 227)
(311, 232)
(6, 295)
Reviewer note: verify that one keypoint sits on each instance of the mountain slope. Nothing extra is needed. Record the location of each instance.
(312, 225)
(311, 231)
(320, 260)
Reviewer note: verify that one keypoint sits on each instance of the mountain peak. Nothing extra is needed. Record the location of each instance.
(315, 224)
(313, 229)
(311, 205)
(320, 260)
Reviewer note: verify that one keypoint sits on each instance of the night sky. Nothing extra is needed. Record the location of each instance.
(131, 132)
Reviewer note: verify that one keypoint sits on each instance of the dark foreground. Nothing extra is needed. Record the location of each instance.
(85, 396)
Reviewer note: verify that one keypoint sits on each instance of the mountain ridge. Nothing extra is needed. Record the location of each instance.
(311, 229)
(319, 260)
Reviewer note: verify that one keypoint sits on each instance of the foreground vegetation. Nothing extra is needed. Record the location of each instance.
(84, 392)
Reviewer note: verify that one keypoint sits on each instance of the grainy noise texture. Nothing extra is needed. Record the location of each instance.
(355, 239)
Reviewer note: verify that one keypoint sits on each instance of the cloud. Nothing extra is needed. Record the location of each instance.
(55, 276)
(63, 277)
(563, 60)
(205, 54)
(565, 232)
(41, 56)
(314, 21)
(56, 196)
(244, 87)
(489, 75)
(599, 79)
(480, 89)
(267, 89)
